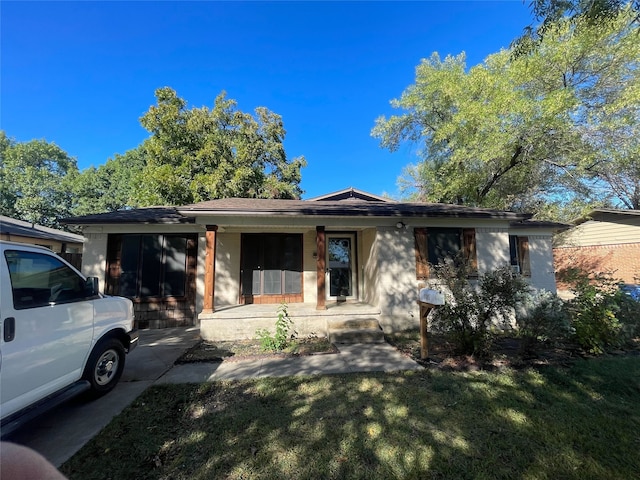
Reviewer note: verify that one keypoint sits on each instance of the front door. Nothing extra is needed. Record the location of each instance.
(341, 271)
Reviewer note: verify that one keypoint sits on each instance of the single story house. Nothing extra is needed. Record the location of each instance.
(55, 240)
(604, 241)
(227, 264)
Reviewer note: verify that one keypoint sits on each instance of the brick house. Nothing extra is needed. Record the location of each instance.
(605, 241)
(227, 264)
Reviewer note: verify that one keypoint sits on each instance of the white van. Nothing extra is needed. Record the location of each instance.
(59, 336)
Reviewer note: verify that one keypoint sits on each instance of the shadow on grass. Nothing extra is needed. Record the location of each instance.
(582, 422)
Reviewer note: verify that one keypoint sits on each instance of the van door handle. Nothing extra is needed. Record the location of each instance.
(9, 329)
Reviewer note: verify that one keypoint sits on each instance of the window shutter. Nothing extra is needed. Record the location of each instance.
(422, 256)
(523, 256)
(469, 245)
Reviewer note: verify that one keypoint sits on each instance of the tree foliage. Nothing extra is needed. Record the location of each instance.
(549, 12)
(34, 181)
(522, 132)
(110, 186)
(200, 153)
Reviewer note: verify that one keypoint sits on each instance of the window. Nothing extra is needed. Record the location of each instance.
(519, 254)
(148, 266)
(271, 264)
(434, 245)
(39, 280)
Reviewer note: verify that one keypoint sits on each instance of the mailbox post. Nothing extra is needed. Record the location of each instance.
(428, 299)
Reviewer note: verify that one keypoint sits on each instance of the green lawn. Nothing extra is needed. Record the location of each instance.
(552, 423)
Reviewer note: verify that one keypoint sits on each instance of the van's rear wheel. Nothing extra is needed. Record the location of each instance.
(105, 365)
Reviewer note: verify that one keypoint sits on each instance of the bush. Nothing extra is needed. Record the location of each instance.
(542, 318)
(629, 315)
(598, 310)
(471, 311)
(280, 340)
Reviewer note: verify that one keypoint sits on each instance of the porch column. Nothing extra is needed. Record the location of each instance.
(210, 270)
(321, 249)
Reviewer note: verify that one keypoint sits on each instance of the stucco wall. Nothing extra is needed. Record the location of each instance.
(309, 265)
(541, 258)
(227, 281)
(396, 270)
(370, 277)
(94, 257)
(492, 247)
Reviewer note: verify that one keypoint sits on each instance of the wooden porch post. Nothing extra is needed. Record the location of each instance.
(321, 250)
(210, 270)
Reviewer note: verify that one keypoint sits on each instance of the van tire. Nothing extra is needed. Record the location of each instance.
(105, 366)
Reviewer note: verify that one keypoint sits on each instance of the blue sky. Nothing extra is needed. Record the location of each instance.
(80, 74)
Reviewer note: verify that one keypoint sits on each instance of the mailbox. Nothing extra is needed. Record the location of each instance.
(428, 300)
(431, 296)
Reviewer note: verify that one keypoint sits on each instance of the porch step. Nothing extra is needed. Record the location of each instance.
(362, 330)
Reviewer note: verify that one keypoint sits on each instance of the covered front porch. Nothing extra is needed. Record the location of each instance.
(242, 321)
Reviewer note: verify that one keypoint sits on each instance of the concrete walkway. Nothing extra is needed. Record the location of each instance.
(60, 433)
(352, 358)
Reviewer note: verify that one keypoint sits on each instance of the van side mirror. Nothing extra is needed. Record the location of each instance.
(91, 286)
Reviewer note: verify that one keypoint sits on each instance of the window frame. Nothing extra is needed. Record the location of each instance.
(264, 241)
(520, 254)
(114, 266)
(467, 241)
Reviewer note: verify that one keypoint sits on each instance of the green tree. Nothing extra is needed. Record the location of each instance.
(550, 12)
(524, 132)
(110, 186)
(34, 181)
(200, 153)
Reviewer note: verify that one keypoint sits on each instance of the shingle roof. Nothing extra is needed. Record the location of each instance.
(354, 208)
(20, 228)
(350, 194)
(602, 212)
(540, 224)
(166, 215)
(249, 207)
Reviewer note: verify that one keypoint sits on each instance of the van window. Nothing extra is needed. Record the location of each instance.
(39, 280)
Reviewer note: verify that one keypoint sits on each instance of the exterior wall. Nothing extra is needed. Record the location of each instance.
(309, 267)
(609, 244)
(542, 267)
(397, 287)
(369, 267)
(621, 261)
(227, 286)
(94, 257)
(153, 313)
(602, 233)
(492, 247)
(53, 245)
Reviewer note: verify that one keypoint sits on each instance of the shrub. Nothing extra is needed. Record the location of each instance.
(542, 319)
(629, 315)
(472, 310)
(595, 309)
(280, 340)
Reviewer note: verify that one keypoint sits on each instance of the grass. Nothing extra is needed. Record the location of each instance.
(580, 422)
